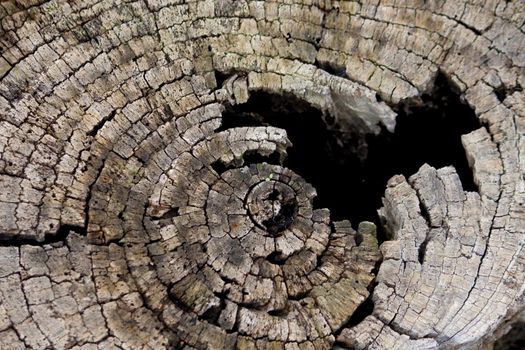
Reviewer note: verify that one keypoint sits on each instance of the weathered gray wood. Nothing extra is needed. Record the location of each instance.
(109, 112)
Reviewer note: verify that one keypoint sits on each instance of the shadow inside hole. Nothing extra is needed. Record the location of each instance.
(283, 218)
(276, 258)
(350, 170)
(513, 340)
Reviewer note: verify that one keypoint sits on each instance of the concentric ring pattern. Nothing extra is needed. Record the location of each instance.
(132, 218)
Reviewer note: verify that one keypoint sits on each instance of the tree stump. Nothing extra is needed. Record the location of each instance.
(132, 216)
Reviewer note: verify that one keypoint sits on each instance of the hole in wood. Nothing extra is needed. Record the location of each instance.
(272, 206)
(350, 170)
(276, 258)
(283, 215)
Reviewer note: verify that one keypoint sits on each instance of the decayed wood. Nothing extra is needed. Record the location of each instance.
(130, 220)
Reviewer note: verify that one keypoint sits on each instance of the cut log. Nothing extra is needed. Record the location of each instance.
(132, 216)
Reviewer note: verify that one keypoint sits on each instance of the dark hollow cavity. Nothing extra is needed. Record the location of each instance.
(276, 258)
(282, 219)
(513, 340)
(350, 170)
(331, 68)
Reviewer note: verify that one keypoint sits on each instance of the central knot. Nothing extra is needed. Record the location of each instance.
(272, 206)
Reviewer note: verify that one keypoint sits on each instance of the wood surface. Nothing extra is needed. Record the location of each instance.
(130, 220)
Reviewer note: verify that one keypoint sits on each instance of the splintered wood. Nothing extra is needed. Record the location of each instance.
(131, 218)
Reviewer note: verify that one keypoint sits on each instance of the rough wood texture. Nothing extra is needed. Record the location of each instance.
(130, 221)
